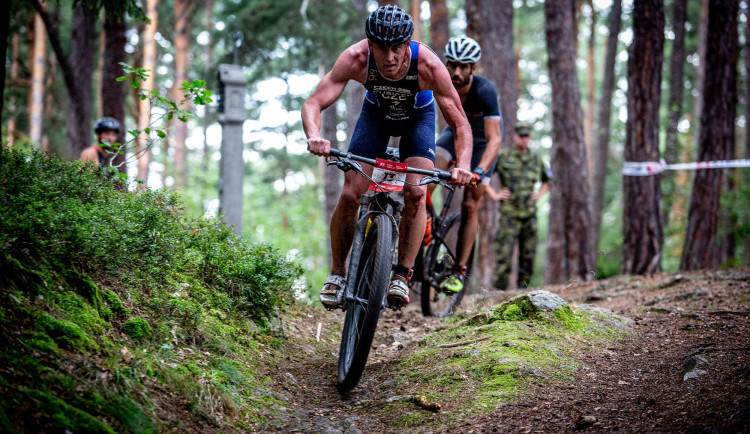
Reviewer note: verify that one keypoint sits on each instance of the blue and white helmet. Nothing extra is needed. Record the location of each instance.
(463, 49)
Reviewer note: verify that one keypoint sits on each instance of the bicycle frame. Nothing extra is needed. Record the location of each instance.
(381, 202)
(390, 206)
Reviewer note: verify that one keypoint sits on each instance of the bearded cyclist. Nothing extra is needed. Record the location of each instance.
(402, 77)
(480, 102)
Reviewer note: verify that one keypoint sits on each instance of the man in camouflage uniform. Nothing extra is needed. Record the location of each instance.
(519, 172)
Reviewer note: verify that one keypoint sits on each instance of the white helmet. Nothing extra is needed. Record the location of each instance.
(463, 49)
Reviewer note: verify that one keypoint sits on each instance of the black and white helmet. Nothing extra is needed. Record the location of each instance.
(106, 124)
(463, 49)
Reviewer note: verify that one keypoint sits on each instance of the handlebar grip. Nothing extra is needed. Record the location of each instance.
(442, 174)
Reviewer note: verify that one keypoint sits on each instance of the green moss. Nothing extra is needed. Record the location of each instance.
(114, 303)
(57, 414)
(5, 425)
(518, 309)
(79, 311)
(412, 419)
(32, 281)
(513, 313)
(569, 319)
(137, 328)
(37, 341)
(85, 286)
(65, 333)
(118, 408)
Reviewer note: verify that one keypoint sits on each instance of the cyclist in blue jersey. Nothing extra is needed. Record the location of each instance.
(480, 102)
(402, 78)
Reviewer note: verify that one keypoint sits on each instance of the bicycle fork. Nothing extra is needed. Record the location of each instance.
(385, 205)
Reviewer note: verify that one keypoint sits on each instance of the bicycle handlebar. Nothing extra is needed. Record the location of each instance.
(436, 173)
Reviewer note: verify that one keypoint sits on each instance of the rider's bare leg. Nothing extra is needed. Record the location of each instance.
(344, 218)
(467, 231)
(411, 229)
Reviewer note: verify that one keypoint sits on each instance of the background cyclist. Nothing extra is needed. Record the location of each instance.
(401, 77)
(106, 129)
(480, 102)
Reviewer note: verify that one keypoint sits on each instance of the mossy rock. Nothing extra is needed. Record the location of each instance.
(137, 328)
(529, 306)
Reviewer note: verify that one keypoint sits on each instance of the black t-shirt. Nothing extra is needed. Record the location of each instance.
(481, 102)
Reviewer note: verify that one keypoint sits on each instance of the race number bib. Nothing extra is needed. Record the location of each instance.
(388, 176)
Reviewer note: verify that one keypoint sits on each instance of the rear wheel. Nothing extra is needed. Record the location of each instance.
(439, 258)
(363, 310)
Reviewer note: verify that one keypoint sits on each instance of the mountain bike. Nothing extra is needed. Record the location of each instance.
(372, 256)
(437, 257)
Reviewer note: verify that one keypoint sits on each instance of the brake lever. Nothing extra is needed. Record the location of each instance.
(435, 180)
(346, 165)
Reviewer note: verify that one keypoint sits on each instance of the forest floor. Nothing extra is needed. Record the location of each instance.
(685, 369)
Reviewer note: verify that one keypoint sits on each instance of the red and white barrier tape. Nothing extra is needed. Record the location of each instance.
(647, 168)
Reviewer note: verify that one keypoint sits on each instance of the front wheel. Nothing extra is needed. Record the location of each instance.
(439, 258)
(364, 307)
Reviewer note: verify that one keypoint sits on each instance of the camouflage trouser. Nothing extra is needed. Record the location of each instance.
(512, 229)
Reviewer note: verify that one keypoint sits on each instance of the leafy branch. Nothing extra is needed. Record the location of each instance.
(194, 92)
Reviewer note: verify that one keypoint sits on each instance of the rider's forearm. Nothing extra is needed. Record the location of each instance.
(464, 145)
(311, 120)
(490, 153)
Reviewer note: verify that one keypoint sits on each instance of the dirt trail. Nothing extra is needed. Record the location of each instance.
(687, 370)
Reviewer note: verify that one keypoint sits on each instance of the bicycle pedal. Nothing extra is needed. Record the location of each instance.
(395, 303)
(336, 307)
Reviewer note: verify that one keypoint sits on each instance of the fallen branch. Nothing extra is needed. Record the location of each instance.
(459, 344)
(422, 402)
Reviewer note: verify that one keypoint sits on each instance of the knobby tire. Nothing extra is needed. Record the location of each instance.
(361, 320)
(437, 256)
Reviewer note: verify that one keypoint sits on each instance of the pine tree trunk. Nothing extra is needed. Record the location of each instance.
(674, 106)
(746, 177)
(143, 151)
(183, 10)
(643, 241)
(588, 129)
(570, 192)
(208, 55)
(36, 88)
(11, 128)
(112, 91)
(486, 21)
(603, 129)
(700, 77)
(4, 27)
(716, 134)
(439, 35)
(82, 50)
(415, 7)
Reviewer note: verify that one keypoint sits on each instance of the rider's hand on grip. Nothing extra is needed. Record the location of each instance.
(319, 146)
(461, 177)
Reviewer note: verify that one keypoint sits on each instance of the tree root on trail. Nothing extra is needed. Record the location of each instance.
(419, 400)
(459, 344)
